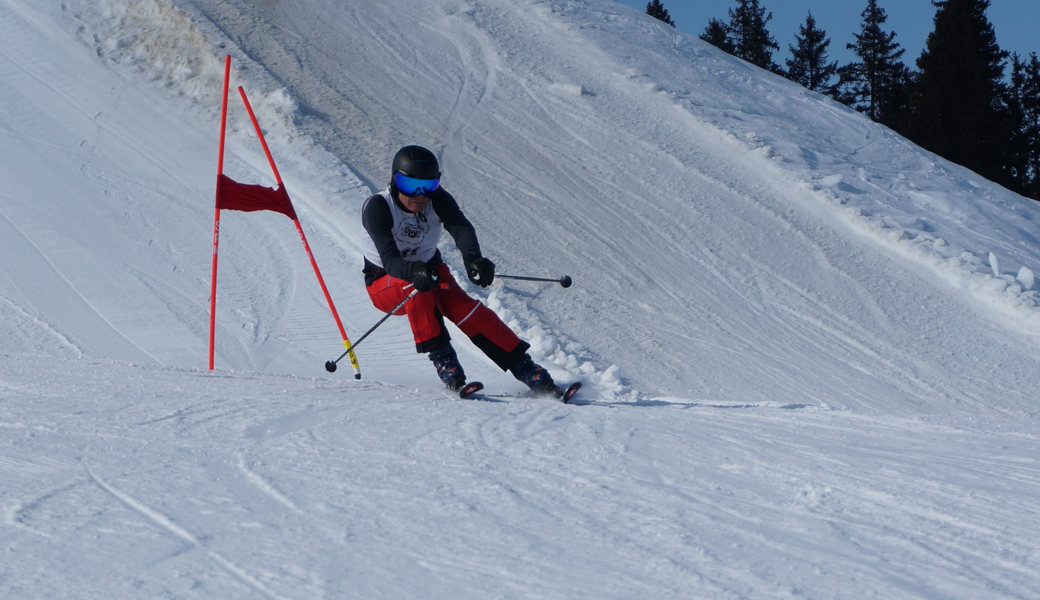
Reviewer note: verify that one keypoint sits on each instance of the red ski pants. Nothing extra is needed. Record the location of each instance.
(426, 312)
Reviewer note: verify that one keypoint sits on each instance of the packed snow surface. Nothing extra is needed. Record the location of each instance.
(810, 349)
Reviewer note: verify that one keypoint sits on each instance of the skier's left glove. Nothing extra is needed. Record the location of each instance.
(424, 278)
(480, 270)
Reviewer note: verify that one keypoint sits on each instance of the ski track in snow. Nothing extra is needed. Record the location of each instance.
(465, 491)
(164, 523)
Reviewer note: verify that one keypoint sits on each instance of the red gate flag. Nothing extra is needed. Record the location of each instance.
(233, 195)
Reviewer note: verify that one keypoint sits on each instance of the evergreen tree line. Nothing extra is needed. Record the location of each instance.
(968, 101)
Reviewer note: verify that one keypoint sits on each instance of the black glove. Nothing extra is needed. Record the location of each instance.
(480, 270)
(424, 278)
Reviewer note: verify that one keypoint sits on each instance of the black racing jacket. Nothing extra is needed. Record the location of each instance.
(378, 222)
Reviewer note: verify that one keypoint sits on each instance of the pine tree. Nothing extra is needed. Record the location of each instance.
(717, 34)
(1024, 104)
(658, 11)
(808, 63)
(877, 84)
(749, 37)
(958, 106)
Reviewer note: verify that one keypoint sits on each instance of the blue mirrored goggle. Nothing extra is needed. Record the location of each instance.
(411, 186)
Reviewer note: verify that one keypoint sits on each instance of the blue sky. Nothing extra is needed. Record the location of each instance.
(1015, 22)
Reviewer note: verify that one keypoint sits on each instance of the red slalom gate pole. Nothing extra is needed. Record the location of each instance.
(216, 214)
(303, 238)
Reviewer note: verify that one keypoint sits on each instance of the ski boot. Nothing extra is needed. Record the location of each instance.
(533, 375)
(448, 368)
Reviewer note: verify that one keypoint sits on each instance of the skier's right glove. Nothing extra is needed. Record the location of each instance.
(424, 278)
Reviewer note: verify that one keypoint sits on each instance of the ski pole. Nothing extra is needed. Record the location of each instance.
(564, 281)
(330, 365)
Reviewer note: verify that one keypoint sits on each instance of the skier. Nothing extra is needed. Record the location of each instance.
(403, 225)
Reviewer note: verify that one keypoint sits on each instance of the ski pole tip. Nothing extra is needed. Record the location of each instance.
(565, 281)
(330, 366)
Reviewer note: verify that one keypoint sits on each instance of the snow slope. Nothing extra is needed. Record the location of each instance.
(810, 347)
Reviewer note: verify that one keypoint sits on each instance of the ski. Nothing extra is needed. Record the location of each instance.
(471, 391)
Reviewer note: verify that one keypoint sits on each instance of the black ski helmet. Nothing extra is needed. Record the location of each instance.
(417, 162)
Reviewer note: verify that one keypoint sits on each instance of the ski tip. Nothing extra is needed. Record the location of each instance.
(470, 388)
(567, 393)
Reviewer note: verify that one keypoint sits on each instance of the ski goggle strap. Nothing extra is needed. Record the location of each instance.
(411, 186)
